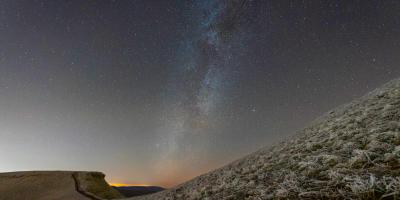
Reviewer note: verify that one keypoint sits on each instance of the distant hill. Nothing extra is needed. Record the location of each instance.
(131, 191)
(352, 152)
(55, 185)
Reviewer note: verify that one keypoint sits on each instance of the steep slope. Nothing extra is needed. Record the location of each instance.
(51, 185)
(352, 152)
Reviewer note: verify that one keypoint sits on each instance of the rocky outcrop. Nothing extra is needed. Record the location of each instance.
(51, 185)
(94, 186)
(352, 152)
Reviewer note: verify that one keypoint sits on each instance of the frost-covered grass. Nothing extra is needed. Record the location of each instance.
(374, 188)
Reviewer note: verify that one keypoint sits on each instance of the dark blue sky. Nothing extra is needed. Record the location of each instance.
(156, 92)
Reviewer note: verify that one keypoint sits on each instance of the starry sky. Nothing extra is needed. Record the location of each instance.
(156, 92)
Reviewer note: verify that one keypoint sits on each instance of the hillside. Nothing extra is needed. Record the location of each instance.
(352, 152)
(51, 185)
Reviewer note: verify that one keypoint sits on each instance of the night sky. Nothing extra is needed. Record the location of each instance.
(157, 92)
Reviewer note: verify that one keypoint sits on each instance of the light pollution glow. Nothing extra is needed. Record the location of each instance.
(126, 184)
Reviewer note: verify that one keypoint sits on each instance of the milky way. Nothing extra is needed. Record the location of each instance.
(198, 83)
(157, 92)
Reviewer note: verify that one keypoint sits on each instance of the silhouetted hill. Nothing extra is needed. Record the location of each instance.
(131, 191)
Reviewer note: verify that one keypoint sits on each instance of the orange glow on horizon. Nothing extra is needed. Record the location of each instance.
(124, 184)
(169, 174)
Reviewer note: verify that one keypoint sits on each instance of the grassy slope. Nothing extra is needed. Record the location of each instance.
(38, 186)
